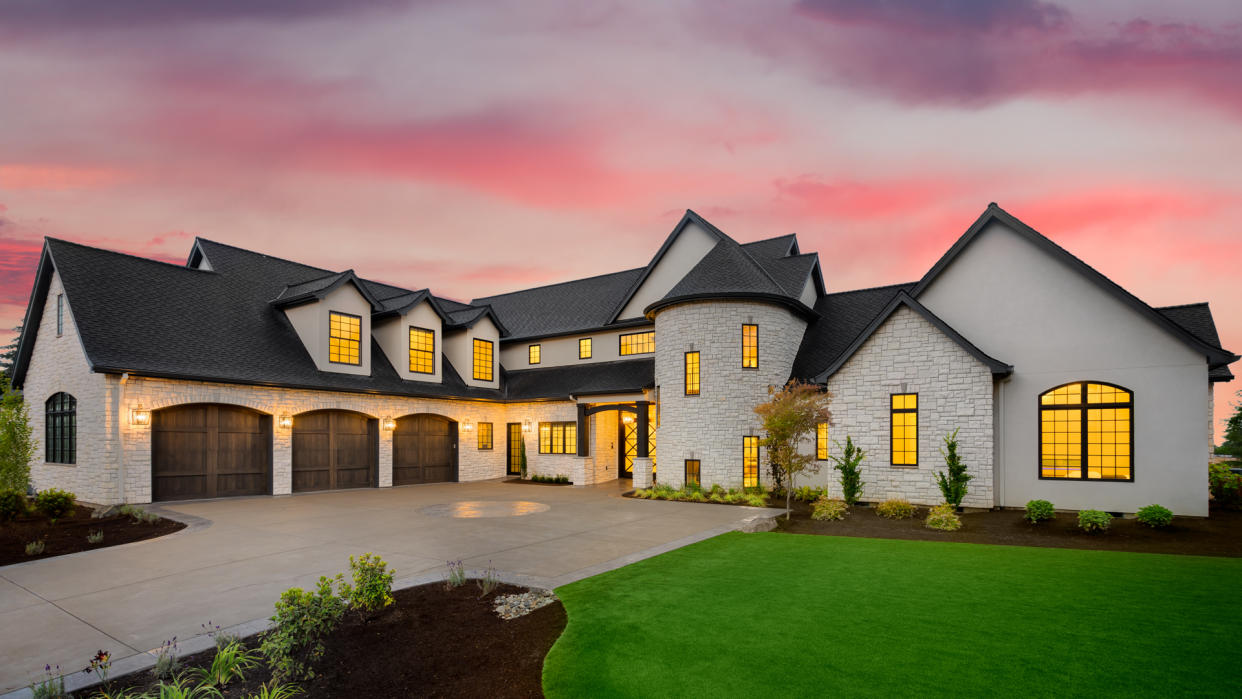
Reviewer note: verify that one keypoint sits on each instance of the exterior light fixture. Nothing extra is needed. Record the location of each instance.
(139, 417)
(526, 425)
(467, 426)
(284, 422)
(388, 424)
(627, 418)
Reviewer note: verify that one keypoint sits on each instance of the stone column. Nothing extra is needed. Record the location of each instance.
(282, 460)
(581, 471)
(643, 472)
(385, 456)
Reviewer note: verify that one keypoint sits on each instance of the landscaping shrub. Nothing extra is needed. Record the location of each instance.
(167, 662)
(230, 663)
(273, 690)
(94, 537)
(828, 509)
(34, 548)
(1155, 516)
(1094, 521)
(895, 509)
(302, 620)
(850, 466)
(456, 574)
(13, 504)
(953, 485)
(52, 686)
(139, 515)
(808, 494)
(55, 503)
(756, 499)
(944, 518)
(490, 580)
(372, 586)
(1039, 510)
(17, 442)
(1225, 486)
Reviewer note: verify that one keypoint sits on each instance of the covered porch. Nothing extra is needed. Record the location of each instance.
(616, 439)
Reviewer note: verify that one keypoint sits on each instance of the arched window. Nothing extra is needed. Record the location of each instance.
(1085, 432)
(61, 425)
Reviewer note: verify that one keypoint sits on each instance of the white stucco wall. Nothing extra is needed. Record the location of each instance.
(1023, 306)
(393, 336)
(310, 321)
(459, 348)
(563, 350)
(685, 252)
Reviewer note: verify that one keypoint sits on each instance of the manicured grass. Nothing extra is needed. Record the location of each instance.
(791, 615)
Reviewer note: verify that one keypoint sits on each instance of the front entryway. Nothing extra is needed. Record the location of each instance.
(205, 450)
(513, 449)
(334, 449)
(627, 437)
(424, 450)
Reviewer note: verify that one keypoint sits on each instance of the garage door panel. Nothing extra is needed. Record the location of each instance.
(424, 450)
(207, 451)
(332, 450)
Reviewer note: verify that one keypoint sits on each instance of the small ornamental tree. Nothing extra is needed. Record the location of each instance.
(789, 418)
(522, 459)
(953, 486)
(17, 444)
(1232, 445)
(850, 466)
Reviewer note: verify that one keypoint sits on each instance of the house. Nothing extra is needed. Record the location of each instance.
(244, 374)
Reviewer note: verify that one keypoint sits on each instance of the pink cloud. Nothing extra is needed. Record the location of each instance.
(57, 177)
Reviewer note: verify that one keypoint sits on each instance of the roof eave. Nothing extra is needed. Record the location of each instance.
(793, 304)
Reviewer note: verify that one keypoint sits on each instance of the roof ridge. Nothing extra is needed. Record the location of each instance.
(1180, 305)
(475, 301)
(870, 288)
(261, 254)
(175, 265)
(754, 262)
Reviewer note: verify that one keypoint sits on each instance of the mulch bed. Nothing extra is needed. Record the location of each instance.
(432, 642)
(1218, 535)
(68, 535)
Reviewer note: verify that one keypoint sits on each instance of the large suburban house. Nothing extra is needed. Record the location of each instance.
(239, 373)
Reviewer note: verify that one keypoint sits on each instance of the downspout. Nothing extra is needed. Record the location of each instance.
(120, 439)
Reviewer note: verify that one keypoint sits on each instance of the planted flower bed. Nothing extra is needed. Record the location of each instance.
(67, 527)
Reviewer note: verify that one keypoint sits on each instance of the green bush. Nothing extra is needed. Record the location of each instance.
(13, 504)
(953, 484)
(829, 509)
(943, 518)
(807, 493)
(1155, 516)
(895, 509)
(756, 500)
(372, 586)
(1039, 510)
(1225, 486)
(1094, 520)
(302, 620)
(55, 503)
(229, 663)
(18, 447)
(849, 464)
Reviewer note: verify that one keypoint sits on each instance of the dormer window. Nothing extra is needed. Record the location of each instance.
(344, 338)
(483, 360)
(422, 351)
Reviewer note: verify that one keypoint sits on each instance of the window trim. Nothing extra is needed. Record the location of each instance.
(491, 436)
(698, 373)
(343, 339)
(432, 350)
(552, 425)
(67, 456)
(1083, 408)
(621, 343)
(756, 327)
(824, 442)
(590, 348)
(534, 353)
(891, 411)
(60, 315)
(474, 361)
(758, 462)
(698, 471)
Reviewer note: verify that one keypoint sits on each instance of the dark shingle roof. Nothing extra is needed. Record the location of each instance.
(780, 246)
(583, 379)
(843, 316)
(581, 304)
(1196, 318)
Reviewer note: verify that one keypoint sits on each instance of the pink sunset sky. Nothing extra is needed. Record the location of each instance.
(478, 149)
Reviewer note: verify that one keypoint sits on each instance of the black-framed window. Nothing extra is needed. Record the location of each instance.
(692, 373)
(904, 429)
(584, 348)
(483, 360)
(558, 438)
(534, 354)
(821, 441)
(693, 468)
(422, 350)
(485, 435)
(750, 346)
(344, 338)
(61, 428)
(750, 461)
(637, 343)
(60, 314)
(1086, 432)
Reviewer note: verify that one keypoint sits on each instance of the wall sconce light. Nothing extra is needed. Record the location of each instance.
(467, 426)
(139, 417)
(526, 425)
(627, 418)
(388, 424)
(284, 422)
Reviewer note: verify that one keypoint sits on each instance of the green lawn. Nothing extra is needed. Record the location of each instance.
(785, 615)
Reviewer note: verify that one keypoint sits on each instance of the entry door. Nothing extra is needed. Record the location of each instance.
(514, 448)
(627, 437)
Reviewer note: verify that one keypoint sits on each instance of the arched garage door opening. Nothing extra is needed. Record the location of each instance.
(334, 449)
(205, 450)
(424, 450)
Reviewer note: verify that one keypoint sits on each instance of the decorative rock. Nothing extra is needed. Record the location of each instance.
(109, 511)
(514, 606)
(760, 523)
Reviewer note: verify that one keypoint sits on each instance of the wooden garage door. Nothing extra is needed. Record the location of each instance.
(209, 451)
(333, 449)
(424, 450)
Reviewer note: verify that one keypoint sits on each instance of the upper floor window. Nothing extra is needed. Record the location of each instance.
(558, 438)
(485, 435)
(750, 462)
(584, 348)
(904, 429)
(692, 373)
(821, 441)
(422, 351)
(750, 346)
(638, 343)
(1085, 432)
(61, 428)
(60, 314)
(344, 338)
(483, 370)
(533, 354)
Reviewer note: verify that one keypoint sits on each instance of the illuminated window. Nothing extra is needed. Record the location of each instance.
(60, 314)
(750, 462)
(905, 429)
(1086, 419)
(61, 428)
(422, 351)
(533, 354)
(692, 373)
(750, 346)
(485, 435)
(558, 438)
(692, 472)
(344, 338)
(584, 348)
(482, 360)
(638, 343)
(821, 441)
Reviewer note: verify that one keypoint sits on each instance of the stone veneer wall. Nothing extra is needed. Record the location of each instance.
(710, 426)
(909, 355)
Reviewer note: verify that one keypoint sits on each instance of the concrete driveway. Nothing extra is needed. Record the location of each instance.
(238, 555)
